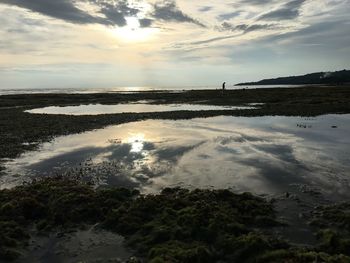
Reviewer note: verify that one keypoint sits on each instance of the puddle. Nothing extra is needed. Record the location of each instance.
(96, 109)
(263, 155)
(89, 245)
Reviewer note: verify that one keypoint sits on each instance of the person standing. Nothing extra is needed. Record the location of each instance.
(223, 88)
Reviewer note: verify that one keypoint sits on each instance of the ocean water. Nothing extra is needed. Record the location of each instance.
(4, 91)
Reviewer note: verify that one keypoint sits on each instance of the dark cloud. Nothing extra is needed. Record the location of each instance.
(257, 2)
(334, 34)
(201, 42)
(145, 22)
(114, 16)
(257, 27)
(116, 13)
(245, 27)
(205, 8)
(330, 36)
(286, 12)
(168, 11)
(228, 16)
(112, 13)
(226, 26)
(60, 9)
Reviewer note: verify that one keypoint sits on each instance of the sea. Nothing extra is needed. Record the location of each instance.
(4, 91)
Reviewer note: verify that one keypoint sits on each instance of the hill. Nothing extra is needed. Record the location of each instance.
(337, 77)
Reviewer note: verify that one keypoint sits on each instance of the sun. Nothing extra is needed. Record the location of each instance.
(133, 32)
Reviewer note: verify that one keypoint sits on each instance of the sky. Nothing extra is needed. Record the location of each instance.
(168, 43)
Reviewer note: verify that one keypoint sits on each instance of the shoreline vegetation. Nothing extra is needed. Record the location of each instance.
(176, 225)
(319, 78)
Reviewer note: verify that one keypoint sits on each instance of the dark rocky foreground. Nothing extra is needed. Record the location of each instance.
(176, 225)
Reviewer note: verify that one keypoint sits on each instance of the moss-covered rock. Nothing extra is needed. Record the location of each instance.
(300, 256)
(334, 242)
(335, 216)
(176, 225)
(184, 216)
(175, 251)
(48, 204)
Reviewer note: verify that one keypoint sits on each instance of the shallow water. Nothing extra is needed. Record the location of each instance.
(264, 155)
(96, 109)
(90, 245)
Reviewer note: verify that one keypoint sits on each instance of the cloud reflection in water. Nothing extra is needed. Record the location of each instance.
(262, 155)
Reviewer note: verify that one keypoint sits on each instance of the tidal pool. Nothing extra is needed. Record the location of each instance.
(96, 109)
(263, 155)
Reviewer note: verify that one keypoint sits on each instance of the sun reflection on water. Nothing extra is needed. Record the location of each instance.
(137, 142)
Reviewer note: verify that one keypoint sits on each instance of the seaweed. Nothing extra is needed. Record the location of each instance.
(190, 220)
(195, 220)
(176, 225)
(48, 204)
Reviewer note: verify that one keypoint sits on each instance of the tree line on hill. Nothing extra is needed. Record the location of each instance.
(337, 77)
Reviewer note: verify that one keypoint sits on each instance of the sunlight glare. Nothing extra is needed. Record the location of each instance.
(133, 32)
(136, 142)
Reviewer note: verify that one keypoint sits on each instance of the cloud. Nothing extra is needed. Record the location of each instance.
(61, 9)
(116, 13)
(329, 34)
(197, 44)
(168, 11)
(205, 8)
(226, 26)
(106, 12)
(256, 2)
(256, 27)
(288, 11)
(145, 22)
(255, 32)
(228, 16)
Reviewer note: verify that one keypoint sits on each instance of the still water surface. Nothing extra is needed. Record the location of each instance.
(6, 91)
(264, 155)
(96, 109)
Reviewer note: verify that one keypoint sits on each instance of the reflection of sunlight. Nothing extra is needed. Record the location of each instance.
(100, 158)
(133, 32)
(137, 142)
(133, 89)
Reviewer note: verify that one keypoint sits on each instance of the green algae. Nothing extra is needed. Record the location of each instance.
(51, 204)
(301, 256)
(336, 216)
(333, 224)
(180, 225)
(193, 223)
(176, 225)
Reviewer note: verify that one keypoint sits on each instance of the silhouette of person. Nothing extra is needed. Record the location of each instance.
(223, 88)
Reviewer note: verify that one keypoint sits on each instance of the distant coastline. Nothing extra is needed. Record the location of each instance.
(318, 78)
